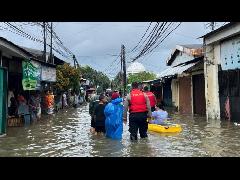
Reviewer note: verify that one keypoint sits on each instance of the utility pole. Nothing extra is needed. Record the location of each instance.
(44, 39)
(212, 24)
(74, 61)
(121, 71)
(51, 56)
(124, 71)
(76, 64)
(121, 63)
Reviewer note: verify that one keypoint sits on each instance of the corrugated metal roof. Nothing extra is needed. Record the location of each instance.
(192, 46)
(217, 30)
(175, 70)
(34, 51)
(16, 46)
(194, 50)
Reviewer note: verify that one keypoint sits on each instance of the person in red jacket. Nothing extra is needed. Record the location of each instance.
(139, 110)
(152, 98)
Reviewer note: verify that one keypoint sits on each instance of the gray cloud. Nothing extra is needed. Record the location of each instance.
(93, 43)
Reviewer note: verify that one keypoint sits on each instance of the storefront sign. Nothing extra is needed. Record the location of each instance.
(30, 75)
(38, 73)
(48, 74)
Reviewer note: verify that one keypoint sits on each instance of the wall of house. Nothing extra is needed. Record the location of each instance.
(211, 61)
(226, 33)
(213, 58)
(181, 58)
(229, 77)
(230, 53)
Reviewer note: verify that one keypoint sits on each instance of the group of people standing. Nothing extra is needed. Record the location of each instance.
(19, 106)
(108, 115)
(71, 99)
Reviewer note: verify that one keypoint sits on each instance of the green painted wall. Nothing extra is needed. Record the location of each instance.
(3, 100)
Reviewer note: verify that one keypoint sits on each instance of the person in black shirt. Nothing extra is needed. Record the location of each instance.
(99, 115)
(12, 110)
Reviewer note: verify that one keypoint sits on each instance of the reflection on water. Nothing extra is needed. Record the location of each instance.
(67, 134)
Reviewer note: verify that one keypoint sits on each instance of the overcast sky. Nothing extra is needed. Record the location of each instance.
(96, 43)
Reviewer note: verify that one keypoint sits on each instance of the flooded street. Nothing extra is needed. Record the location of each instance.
(67, 134)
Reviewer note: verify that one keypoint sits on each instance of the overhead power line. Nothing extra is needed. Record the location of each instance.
(19, 30)
(158, 34)
(142, 37)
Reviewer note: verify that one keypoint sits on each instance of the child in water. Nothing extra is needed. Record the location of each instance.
(159, 115)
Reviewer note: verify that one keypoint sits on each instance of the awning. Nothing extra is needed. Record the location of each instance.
(175, 70)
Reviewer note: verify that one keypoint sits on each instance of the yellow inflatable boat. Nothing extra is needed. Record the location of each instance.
(169, 128)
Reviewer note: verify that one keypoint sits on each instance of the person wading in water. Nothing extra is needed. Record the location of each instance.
(139, 109)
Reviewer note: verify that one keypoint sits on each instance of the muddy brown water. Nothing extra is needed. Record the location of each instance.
(67, 134)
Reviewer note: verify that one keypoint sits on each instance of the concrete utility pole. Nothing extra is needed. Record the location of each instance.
(51, 56)
(124, 71)
(44, 40)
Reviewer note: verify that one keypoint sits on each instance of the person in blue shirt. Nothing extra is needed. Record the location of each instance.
(114, 117)
(159, 115)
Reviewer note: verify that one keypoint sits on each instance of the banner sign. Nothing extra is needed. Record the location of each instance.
(48, 74)
(38, 73)
(30, 75)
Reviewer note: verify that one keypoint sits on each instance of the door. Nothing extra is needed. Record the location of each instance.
(3, 100)
(185, 103)
(199, 102)
(167, 93)
(229, 86)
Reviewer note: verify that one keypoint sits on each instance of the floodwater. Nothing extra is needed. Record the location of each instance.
(67, 134)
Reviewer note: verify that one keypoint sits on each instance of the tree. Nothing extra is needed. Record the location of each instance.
(142, 76)
(68, 77)
(96, 78)
(117, 82)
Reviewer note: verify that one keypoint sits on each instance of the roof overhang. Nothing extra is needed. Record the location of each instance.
(179, 69)
(222, 33)
(194, 52)
(10, 49)
(173, 56)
